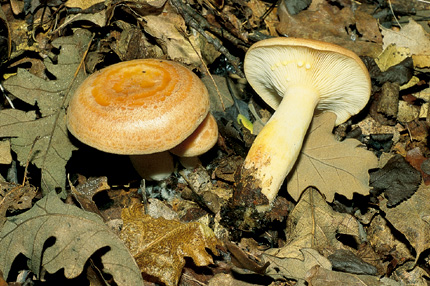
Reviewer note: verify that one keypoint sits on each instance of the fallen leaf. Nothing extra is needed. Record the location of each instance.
(397, 179)
(319, 276)
(78, 235)
(314, 224)
(416, 158)
(52, 147)
(165, 28)
(412, 219)
(368, 26)
(385, 243)
(5, 155)
(48, 94)
(329, 165)
(14, 197)
(408, 274)
(329, 23)
(25, 130)
(411, 35)
(294, 268)
(227, 280)
(82, 4)
(346, 261)
(407, 112)
(159, 245)
(391, 56)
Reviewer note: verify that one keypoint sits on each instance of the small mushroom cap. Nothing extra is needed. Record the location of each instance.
(138, 107)
(201, 141)
(338, 75)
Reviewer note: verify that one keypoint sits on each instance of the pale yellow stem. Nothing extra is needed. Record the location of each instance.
(277, 146)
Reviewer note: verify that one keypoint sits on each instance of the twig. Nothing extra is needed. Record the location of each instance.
(204, 24)
(181, 8)
(184, 34)
(392, 11)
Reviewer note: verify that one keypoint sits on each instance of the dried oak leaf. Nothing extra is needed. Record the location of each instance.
(314, 224)
(294, 268)
(159, 245)
(330, 23)
(24, 129)
(412, 219)
(166, 28)
(319, 276)
(53, 147)
(5, 155)
(329, 165)
(78, 235)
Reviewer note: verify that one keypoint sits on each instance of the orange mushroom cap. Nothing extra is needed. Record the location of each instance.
(138, 107)
(201, 141)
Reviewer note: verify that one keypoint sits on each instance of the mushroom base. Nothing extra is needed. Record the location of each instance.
(277, 146)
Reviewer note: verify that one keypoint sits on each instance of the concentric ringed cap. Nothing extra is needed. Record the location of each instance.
(138, 107)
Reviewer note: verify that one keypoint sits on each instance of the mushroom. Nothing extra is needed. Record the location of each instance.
(198, 143)
(142, 108)
(296, 77)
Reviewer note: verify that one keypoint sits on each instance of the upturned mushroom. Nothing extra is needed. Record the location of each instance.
(296, 77)
(142, 108)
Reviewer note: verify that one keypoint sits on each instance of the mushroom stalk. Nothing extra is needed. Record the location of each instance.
(277, 146)
(154, 167)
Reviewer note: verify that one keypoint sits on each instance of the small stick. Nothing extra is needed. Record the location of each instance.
(184, 34)
(214, 41)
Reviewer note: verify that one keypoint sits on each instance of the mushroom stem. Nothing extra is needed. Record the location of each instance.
(156, 167)
(277, 146)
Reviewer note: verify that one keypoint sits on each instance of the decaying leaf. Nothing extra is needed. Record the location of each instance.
(330, 23)
(412, 218)
(397, 179)
(408, 274)
(5, 156)
(24, 130)
(14, 197)
(314, 224)
(346, 261)
(78, 235)
(295, 268)
(384, 242)
(159, 245)
(52, 149)
(321, 277)
(167, 28)
(412, 36)
(329, 165)
(82, 4)
(391, 56)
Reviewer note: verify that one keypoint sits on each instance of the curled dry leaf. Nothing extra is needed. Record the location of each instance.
(159, 245)
(314, 224)
(78, 235)
(329, 165)
(295, 268)
(167, 29)
(320, 276)
(412, 218)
